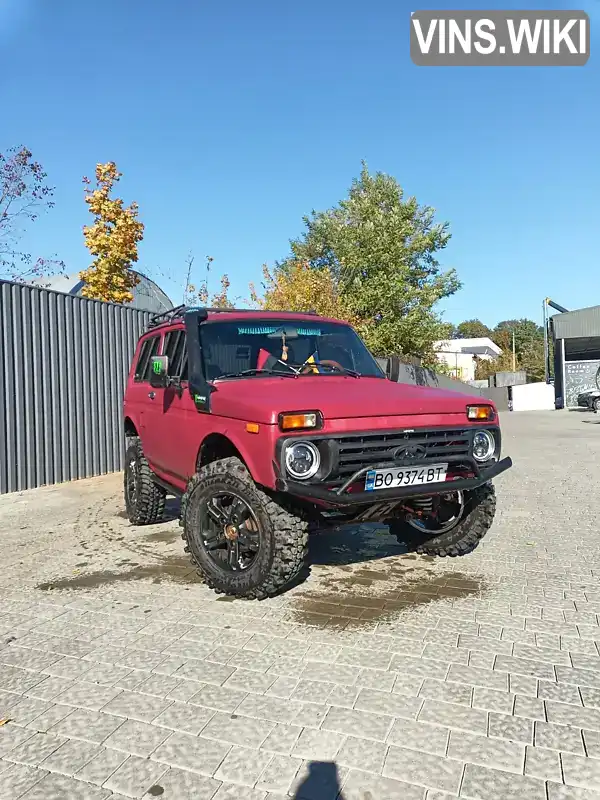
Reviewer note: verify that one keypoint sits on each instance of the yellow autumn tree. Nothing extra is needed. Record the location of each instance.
(300, 287)
(112, 238)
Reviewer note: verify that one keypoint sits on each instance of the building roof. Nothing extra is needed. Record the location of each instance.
(147, 295)
(482, 346)
(583, 323)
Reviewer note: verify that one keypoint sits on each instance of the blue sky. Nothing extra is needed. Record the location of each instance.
(232, 120)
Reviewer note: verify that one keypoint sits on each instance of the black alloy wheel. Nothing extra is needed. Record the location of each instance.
(230, 531)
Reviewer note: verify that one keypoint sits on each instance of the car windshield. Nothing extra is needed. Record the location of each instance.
(259, 347)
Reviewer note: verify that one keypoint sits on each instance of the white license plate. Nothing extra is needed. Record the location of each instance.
(405, 476)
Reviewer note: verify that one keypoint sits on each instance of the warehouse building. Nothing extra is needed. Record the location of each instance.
(576, 338)
(147, 295)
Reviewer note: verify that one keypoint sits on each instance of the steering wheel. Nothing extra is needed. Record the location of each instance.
(330, 362)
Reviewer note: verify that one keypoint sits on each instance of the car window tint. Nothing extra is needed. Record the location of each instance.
(148, 350)
(174, 348)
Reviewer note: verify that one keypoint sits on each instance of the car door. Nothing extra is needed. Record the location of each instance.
(140, 396)
(182, 426)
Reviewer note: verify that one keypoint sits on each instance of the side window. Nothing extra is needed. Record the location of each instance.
(174, 348)
(149, 349)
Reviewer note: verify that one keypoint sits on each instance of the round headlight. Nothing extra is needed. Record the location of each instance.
(302, 460)
(484, 446)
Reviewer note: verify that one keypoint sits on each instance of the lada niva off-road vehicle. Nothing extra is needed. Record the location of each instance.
(268, 424)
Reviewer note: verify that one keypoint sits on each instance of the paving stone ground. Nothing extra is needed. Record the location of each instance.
(384, 675)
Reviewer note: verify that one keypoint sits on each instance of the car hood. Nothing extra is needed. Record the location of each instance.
(336, 397)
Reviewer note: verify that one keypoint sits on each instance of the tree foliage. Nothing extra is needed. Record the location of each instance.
(112, 238)
(300, 287)
(24, 195)
(528, 342)
(473, 329)
(376, 251)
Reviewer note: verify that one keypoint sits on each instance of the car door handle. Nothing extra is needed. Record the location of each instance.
(151, 395)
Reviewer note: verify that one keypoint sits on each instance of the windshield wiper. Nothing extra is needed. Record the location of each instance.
(336, 371)
(245, 372)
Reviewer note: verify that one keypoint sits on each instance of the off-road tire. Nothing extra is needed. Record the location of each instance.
(480, 508)
(284, 537)
(147, 506)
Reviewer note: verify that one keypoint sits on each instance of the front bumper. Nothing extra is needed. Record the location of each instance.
(341, 497)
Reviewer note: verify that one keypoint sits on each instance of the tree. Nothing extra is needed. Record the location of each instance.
(300, 287)
(473, 329)
(112, 238)
(24, 195)
(378, 250)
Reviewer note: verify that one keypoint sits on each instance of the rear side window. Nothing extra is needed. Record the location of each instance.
(174, 348)
(148, 350)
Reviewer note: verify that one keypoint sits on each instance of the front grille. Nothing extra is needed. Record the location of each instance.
(356, 452)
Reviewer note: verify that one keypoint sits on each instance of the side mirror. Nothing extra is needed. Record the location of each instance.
(159, 372)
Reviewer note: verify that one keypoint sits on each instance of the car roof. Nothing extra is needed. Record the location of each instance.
(238, 315)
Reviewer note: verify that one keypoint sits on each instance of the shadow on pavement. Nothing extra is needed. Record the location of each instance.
(321, 783)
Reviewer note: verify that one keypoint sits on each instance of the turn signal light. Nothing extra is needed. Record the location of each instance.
(299, 421)
(480, 413)
(252, 427)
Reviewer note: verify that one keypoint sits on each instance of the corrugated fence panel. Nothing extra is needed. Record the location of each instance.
(64, 364)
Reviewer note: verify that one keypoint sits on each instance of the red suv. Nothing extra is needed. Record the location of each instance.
(270, 423)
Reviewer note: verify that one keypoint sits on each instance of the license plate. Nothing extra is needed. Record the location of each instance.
(406, 476)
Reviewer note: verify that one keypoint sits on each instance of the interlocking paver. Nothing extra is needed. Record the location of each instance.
(180, 785)
(242, 766)
(423, 769)
(505, 726)
(419, 736)
(454, 716)
(17, 779)
(92, 726)
(315, 745)
(357, 723)
(359, 785)
(544, 764)
(137, 738)
(135, 777)
(102, 766)
(581, 771)
(420, 681)
(565, 714)
(486, 751)
(558, 791)
(70, 757)
(34, 750)
(60, 787)
(558, 737)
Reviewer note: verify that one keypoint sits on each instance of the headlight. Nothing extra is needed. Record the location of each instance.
(484, 445)
(302, 460)
(481, 412)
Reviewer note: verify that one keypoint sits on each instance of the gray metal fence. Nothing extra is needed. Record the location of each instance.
(63, 366)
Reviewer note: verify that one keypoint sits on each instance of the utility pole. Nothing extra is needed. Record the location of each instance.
(514, 369)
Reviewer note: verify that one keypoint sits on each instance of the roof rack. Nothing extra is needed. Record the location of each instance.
(256, 310)
(177, 313)
(166, 316)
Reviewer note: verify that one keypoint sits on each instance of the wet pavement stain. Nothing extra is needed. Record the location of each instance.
(170, 570)
(345, 603)
(169, 537)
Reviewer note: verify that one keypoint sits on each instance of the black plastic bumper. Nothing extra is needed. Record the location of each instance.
(341, 497)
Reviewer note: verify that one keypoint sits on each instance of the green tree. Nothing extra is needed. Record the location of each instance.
(381, 249)
(525, 331)
(473, 329)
